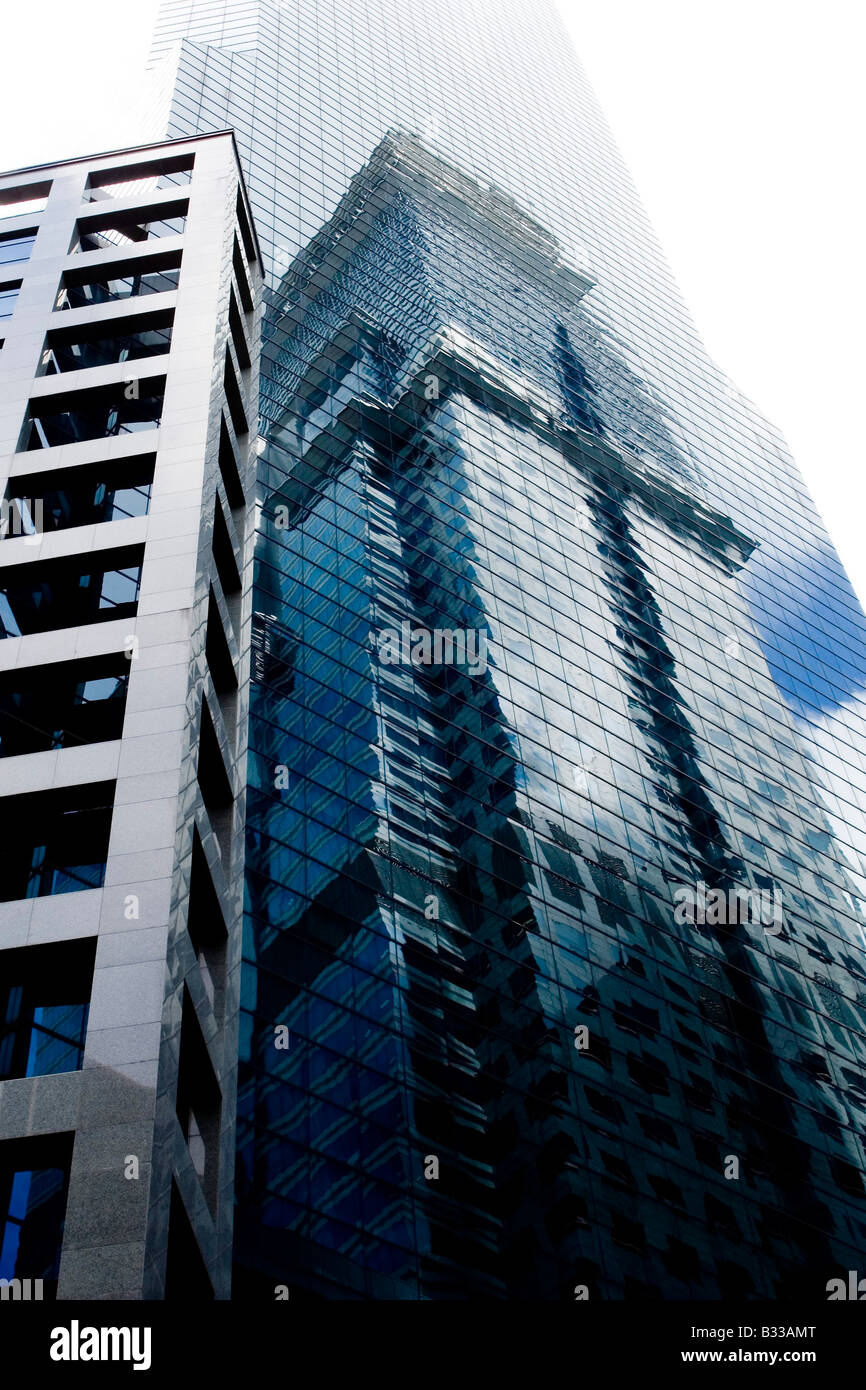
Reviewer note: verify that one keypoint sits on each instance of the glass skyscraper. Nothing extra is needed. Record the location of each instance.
(554, 979)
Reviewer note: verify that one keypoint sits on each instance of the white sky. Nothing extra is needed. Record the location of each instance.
(743, 124)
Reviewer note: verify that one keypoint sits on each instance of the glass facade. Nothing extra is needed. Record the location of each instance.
(554, 956)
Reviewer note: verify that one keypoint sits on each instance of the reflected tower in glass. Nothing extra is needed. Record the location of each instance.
(554, 978)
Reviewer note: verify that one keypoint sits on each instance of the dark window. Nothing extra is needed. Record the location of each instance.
(650, 1074)
(239, 337)
(234, 398)
(658, 1130)
(135, 337)
(58, 593)
(62, 705)
(216, 788)
(618, 1168)
(221, 664)
(99, 413)
(206, 927)
(77, 497)
(34, 1178)
(55, 842)
(121, 229)
(847, 1177)
(44, 1000)
(242, 280)
(229, 469)
(155, 275)
(629, 1233)
(682, 1261)
(604, 1105)
(667, 1191)
(706, 1150)
(636, 1018)
(720, 1215)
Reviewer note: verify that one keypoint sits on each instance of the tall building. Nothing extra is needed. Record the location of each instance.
(554, 969)
(553, 980)
(128, 373)
(540, 884)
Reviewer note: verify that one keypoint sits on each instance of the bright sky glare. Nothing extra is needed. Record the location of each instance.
(743, 125)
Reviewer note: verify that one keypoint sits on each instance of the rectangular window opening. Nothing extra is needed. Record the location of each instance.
(66, 704)
(83, 496)
(44, 1002)
(76, 349)
(155, 274)
(15, 247)
(8, 298)
(105, 230)
(132, 180)
(50, 594)
(101, 412)
(34, 1182)
(27, 199)
(56, 841)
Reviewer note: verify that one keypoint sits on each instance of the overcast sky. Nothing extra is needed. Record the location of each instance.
(743, 124)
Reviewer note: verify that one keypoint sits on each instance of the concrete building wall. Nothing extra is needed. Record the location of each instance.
(166, 954)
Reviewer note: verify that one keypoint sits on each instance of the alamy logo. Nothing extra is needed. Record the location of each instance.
(21, 1290)
(76, 1343)
(22, 516)
(439, 646)
(855, 1288)
(715, 907)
